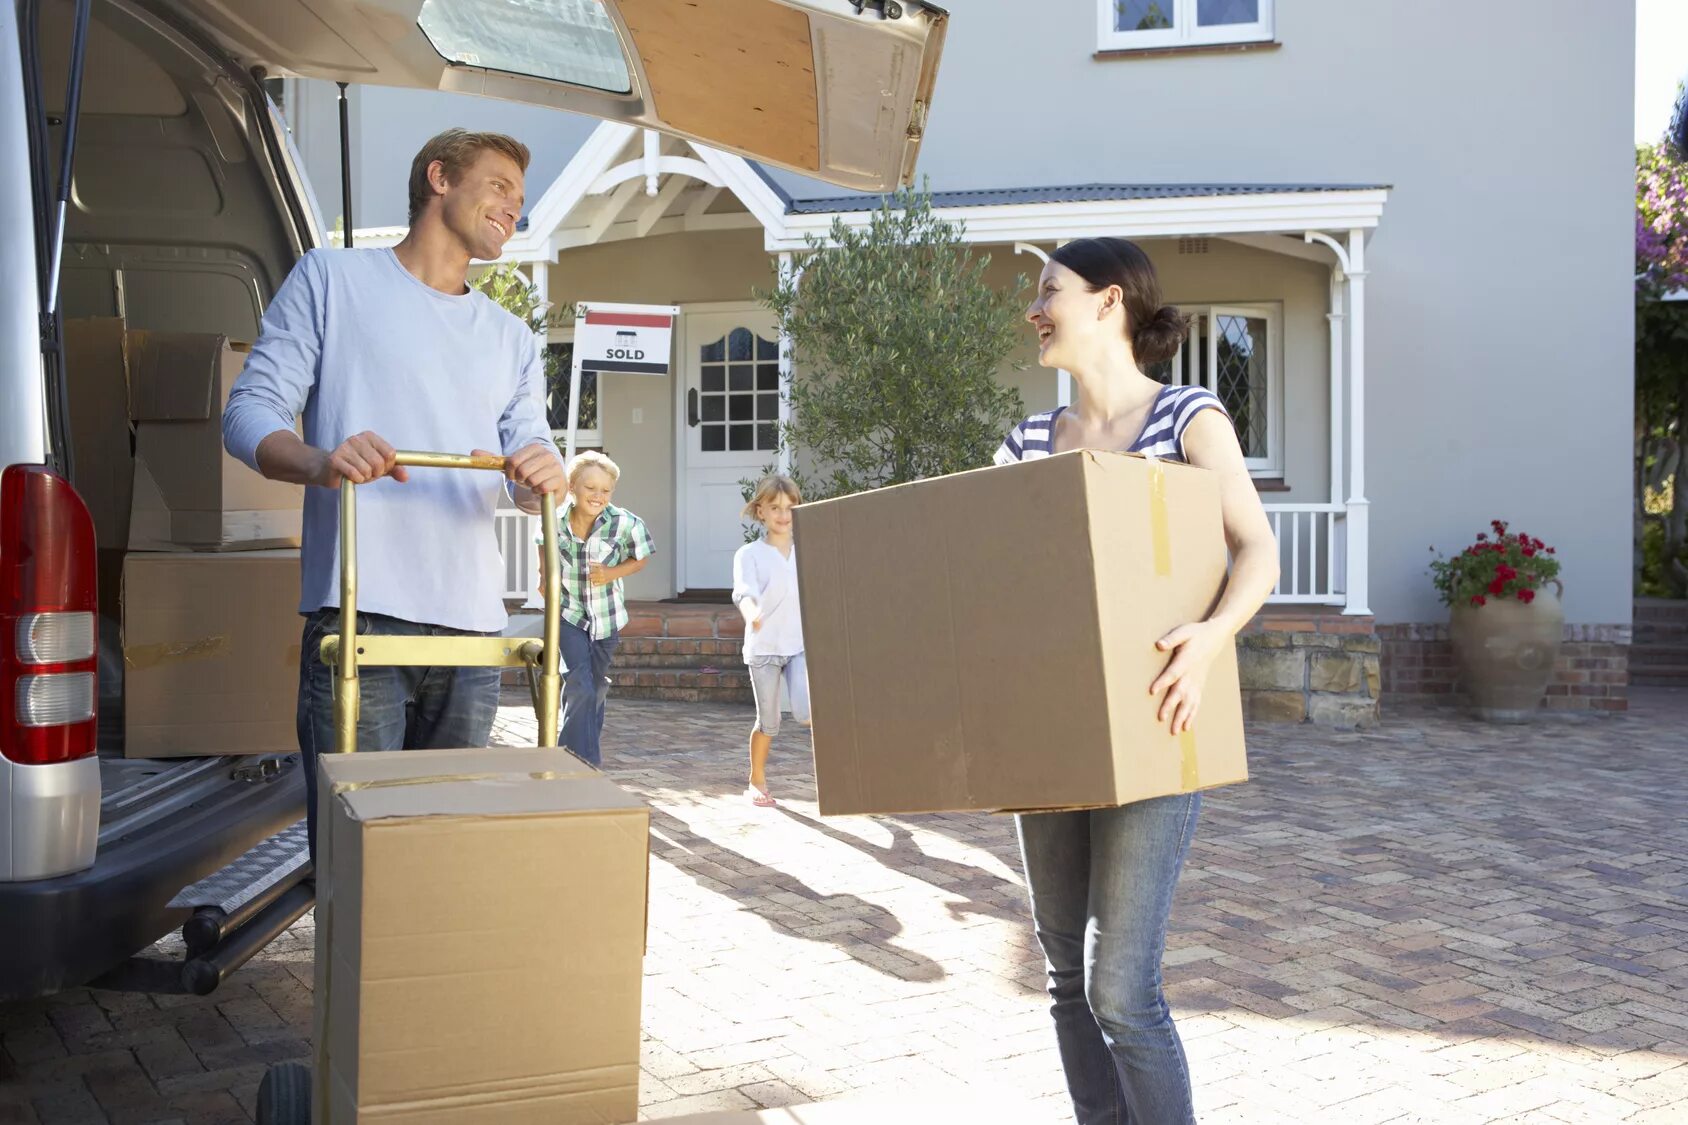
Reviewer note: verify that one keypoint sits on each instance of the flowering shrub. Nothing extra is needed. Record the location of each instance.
(1505, 564)
(1661, 220)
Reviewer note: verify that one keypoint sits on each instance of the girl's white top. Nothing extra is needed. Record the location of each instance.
(762, 573)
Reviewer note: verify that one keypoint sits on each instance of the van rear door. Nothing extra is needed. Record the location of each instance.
(834, 89)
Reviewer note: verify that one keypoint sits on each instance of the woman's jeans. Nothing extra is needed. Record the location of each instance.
(1101, 885)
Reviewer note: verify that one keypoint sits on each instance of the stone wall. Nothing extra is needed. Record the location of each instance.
(1592, 674)
(1322, 667)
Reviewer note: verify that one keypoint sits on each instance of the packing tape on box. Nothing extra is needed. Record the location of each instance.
(1159, 532)
(1190, 769)
(448, 778)
(141, 657)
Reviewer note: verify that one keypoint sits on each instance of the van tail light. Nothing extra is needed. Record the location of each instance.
(48, 626)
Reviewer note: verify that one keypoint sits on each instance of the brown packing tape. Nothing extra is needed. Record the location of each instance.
(1190, 768)
(447, 778)
(142, 657)
(1159, 532)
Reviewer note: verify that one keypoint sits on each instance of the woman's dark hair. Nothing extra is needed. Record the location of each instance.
(1156, 329)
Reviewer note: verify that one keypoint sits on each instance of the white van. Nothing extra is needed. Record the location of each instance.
(150, 178)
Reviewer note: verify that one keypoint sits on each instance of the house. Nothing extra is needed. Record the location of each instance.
(1404, 231)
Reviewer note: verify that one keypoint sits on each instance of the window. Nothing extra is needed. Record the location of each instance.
(1131, 25)
(572, 41)
(559, 364)
(740, 376)
(1233, 352)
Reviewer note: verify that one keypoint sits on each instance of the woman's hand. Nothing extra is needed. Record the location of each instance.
(1193, 648)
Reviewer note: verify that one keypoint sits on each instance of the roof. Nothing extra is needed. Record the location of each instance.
(1068, 193)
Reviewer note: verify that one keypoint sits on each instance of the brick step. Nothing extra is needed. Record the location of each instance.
(1659, 675)
(726, 686)
(680, 652)
(1661, 611)
(1641, 656)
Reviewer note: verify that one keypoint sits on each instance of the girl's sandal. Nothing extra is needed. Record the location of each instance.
(759, 797)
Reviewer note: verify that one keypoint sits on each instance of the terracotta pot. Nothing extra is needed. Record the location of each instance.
(1506, 650)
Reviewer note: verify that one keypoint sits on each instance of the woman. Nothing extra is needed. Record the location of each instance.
(765, 590)
(1102, 881)
(598, 545)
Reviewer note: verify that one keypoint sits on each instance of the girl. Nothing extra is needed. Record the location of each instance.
(1102, 881)
(765, 590)
(599, 544)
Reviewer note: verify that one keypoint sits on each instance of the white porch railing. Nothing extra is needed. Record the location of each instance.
(1312, 553)
(515, 531)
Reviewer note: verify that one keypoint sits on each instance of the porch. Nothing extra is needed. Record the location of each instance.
(1296, 386)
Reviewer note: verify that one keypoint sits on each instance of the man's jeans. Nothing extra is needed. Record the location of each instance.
(1101, 885)
(586, 687)
(400, 708)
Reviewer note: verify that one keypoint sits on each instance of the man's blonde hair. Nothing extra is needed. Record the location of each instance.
(456, 149)
(592, 459)
(768, 489)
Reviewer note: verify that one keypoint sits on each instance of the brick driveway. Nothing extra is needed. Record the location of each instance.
(1433, 921)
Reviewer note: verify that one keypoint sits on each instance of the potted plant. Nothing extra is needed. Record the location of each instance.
(1505, 624)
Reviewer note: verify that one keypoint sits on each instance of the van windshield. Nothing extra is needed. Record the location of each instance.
(573, 41)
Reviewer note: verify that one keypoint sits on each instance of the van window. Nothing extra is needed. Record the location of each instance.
(571, 41)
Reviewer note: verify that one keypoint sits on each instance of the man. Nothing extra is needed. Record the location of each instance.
(386, 349)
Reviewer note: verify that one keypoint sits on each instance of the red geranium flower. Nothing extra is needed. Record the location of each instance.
(1497, 587)
(1526, 596)
(1479, 599)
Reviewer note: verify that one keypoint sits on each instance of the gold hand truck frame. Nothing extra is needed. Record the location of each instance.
(349, 650)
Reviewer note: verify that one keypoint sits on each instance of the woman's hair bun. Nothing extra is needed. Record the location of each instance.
(1160, 336)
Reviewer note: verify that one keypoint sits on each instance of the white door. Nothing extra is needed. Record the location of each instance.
(732, 404)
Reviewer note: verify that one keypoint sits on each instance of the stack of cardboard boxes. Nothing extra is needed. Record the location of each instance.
(199, 561)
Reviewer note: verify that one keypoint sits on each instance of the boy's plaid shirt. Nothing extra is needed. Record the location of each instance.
(617, 537)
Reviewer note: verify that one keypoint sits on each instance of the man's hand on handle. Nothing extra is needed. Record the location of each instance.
(533, 467)
(360, 459)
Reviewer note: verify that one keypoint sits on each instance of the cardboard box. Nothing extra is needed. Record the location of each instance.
(985, 641)
(910, 1110)
(210, 653)
(97, 371)
(480, 928)
(189, 493)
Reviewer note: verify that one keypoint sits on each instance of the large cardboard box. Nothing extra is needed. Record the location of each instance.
(210, 653)
(97, 373)
(188, 492)
(480, 928)
(986, 641)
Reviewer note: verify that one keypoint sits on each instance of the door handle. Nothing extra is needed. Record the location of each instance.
(691, 407)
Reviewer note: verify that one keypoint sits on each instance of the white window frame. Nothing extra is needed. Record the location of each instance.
(1272, 464)
(1184, 31)
(583, 439)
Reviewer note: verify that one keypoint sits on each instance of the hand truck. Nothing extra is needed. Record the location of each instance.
(346, 652)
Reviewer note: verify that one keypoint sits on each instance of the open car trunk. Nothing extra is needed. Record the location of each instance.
(834, 89)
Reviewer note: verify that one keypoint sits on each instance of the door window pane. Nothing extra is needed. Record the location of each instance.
(742, 408)
(1240, 378)
(714, 408)
(714, 439)
(742, 439)
(571, 41)
(559, 364)
(768, 436)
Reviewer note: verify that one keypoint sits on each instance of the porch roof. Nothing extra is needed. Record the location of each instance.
(597, 198)
(1068, 193)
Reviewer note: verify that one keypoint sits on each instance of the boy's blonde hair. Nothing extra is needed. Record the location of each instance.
(592, 459)
(770, 487)
(456, 149)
